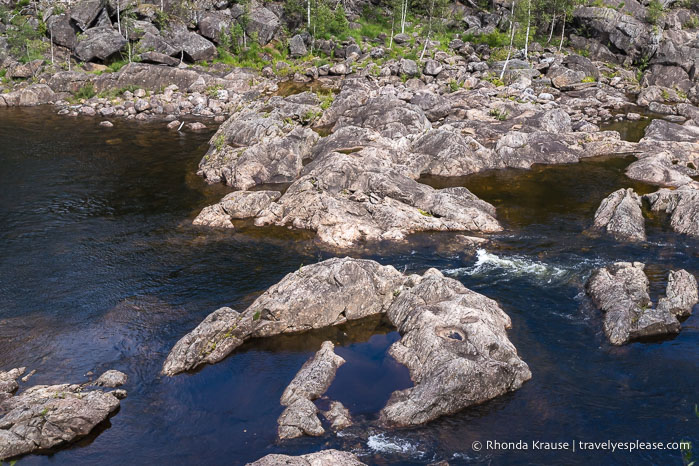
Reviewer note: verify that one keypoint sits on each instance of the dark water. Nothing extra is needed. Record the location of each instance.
(100, 268)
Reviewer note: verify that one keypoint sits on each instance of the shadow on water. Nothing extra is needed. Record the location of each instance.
(100, 268)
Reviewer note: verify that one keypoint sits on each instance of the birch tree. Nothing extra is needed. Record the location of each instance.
(512, 39)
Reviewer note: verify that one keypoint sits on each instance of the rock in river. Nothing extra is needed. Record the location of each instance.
(314, 378)
(453, 340)
(48, 416)
(350, 289)
(321, 458)
(620, 215)
(620, 291)
(681, 204)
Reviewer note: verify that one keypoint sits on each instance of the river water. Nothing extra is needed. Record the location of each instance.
(101, 268)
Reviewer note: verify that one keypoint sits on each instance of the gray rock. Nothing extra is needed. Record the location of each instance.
(297, 46)
(311, 382)
(111, 379)
(681, 295)
(262, 25)
(214, 26)
(351, 289)
(236, 205)
(620, 215)
(454, 343)
(401, 39)
(8, 382)
(62, 31)
(321, 458)
(451, 154)
(389, 116)
(665, 163)
(434, 105)
(86, 12)
(682, 205)
(556, 121)
(364, 196)
(44, 417)
(620, 291)
(253, 147)
(99, 43)
(156, 43)
(159, 59)
(409, 67)
(338, 416)
(662, 130)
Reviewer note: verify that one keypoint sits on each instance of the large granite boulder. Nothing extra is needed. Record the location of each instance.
(389, 116)
(454, 342)
(86, 12)
(62, 31)
(99, 43)
(620, 291)
(681, 295)
(236, 205)
(8, 382)
(621, 216)
(262, 25)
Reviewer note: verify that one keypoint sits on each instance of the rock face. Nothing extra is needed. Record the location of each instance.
(338, 416)
(300, 416)
(620, 215)
(453, 340)
(351, 289)
(620, 291)
(454, 343)
(44, 417)
(321, 458)
(389, 116)
(348, 198)
(682, 205)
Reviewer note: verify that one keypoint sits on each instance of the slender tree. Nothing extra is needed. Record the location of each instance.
(563, 32)
(512, 39)
(529, 23)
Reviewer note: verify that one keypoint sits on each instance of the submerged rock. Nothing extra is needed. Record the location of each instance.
(620, 215)
(316, 296)
(44, 417)
(681, 204)
(314, 378)
(338, 416)
(321, 458)
(620, 291)
(454, 342)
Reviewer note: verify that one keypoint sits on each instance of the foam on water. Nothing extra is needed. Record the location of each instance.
(381, 443)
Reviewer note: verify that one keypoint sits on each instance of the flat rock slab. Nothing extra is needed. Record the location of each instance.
(321, 458)
(620, 291)
(621, 216)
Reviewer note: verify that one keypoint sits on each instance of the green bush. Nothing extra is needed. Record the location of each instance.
(655, 12)
(85, 92)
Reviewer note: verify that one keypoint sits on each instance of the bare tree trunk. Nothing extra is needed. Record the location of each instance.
(404, 15)
(162, 5)
(393, 22)
(51, 39)
(512, 39)
(529, 22)
(118, 16)
(563, 31)
(429, 31)
(425, 46)
(308, 13)
(553, 23)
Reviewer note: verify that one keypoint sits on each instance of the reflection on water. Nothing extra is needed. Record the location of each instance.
(100, 268)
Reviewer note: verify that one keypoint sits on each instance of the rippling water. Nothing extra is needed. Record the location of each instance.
(100, 268)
